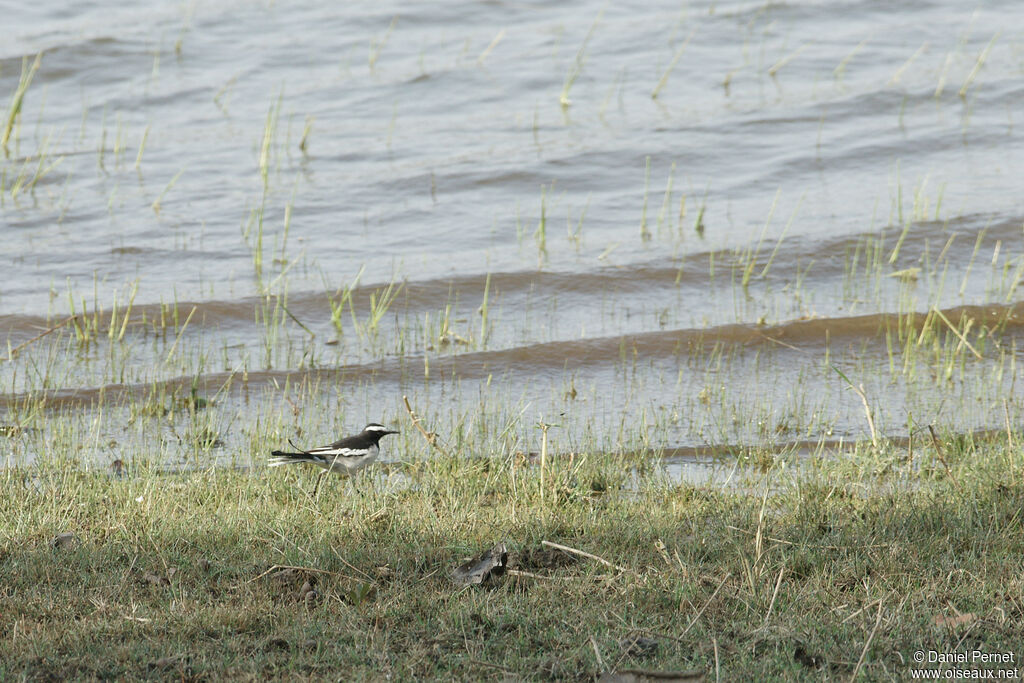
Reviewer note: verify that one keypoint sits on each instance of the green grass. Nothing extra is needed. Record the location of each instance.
(180, 575)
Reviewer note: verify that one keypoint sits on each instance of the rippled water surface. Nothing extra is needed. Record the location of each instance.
(660, 225)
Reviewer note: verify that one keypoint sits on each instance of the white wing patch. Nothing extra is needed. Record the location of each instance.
(338, 452)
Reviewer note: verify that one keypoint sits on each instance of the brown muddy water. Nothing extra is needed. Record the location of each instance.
(683, 227)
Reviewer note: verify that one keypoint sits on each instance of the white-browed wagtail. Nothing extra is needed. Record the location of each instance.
(347, 456)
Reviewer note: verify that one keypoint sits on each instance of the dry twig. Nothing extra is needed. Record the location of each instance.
(431, 437)
(14, 352)
(581, 553)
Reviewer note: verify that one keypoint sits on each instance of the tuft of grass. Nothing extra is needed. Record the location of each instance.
(28, 72)
(380, 302)
(540, 235)
(977, 65)
(377, 44)
(157, 204)
(774, 69)
(306, 130)
(490, 47)
(671, 66)
(484, 312)
(142, 149)
(342, 298)
(645, 233)
(577, 64)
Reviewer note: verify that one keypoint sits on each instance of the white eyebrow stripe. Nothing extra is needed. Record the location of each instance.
(376, 428)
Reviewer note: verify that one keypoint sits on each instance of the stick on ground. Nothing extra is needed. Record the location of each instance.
(584, 554)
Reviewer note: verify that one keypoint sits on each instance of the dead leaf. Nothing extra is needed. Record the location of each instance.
(954, 621)
(645, 676)
(484, 569)
(65, 541)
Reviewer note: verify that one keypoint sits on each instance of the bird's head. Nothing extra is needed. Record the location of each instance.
(378, 430)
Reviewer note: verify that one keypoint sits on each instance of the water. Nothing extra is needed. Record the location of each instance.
(212, 154)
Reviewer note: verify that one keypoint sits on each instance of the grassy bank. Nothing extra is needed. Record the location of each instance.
(844, 568)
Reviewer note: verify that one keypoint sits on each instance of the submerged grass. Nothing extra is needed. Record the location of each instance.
(846, 569)
(14, 109)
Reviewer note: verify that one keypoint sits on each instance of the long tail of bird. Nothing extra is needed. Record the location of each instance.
(278, 458)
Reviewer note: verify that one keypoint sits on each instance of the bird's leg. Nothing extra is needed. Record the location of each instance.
(319, 479)
(324, 474)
